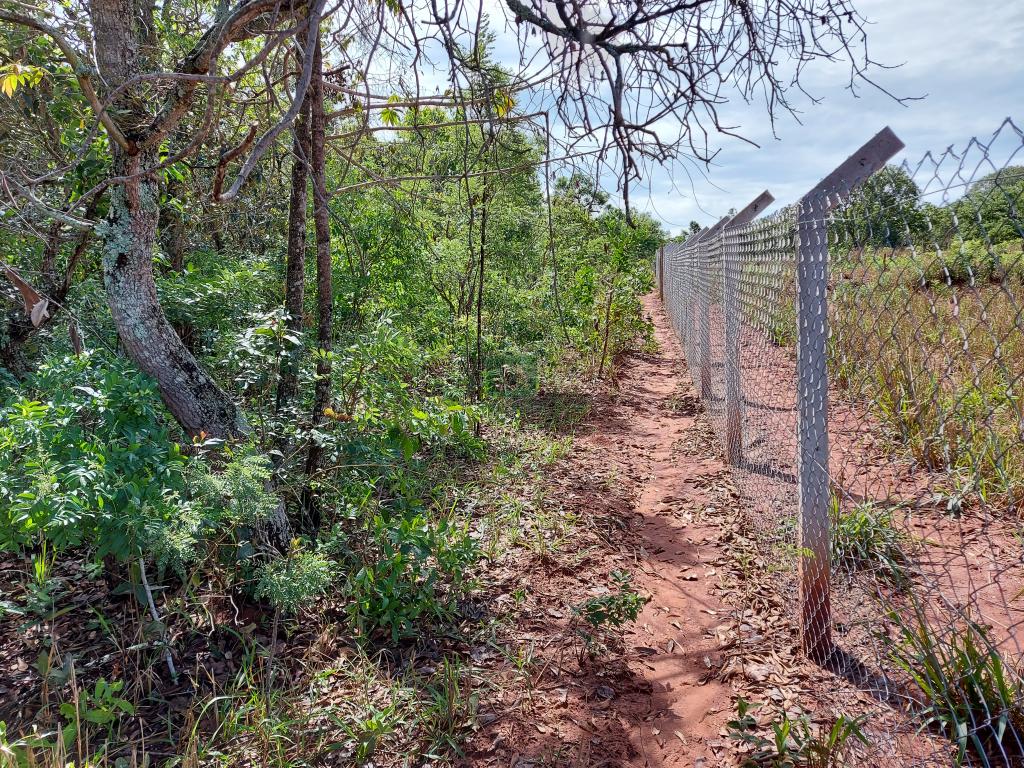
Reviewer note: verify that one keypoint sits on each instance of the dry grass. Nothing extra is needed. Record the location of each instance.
(942, 366)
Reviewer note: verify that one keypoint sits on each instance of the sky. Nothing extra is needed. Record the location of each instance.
(958, 64)
(964, 57)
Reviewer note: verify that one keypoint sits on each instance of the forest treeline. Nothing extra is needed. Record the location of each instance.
(359, 350)
(367, 321)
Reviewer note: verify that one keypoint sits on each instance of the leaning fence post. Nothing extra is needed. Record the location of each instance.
(812, 386)
(703, 241)
(731, 271)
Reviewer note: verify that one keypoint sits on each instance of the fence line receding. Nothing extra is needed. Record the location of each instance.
(860, 354)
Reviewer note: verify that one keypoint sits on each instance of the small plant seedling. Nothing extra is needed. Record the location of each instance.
(795, 743)
(101, 706)
(605, 614)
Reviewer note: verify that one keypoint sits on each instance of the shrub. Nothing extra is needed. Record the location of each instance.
(966, 263)
(404, 570)
(294, 581)
(95, 464)
(614, 609)
(604, 615)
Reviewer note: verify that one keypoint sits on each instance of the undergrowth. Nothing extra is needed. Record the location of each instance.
(968, 689)
(792, 742)
(866, 539)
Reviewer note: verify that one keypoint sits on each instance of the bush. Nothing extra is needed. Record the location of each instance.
(94, 464)
(292, 582)
(97, 466)
(402, 571)
(604, 616)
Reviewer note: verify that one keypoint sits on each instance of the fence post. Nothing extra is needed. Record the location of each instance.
(702, 268)
(731, 273)
(661, 274)
(812, 386)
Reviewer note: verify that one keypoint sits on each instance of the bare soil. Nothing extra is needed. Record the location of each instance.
(644, 496)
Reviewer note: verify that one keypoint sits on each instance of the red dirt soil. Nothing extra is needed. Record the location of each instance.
(640, 499)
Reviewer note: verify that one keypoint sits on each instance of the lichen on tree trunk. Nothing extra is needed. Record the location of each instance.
(128, 239)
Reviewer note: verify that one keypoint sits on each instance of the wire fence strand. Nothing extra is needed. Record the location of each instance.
(918, 553)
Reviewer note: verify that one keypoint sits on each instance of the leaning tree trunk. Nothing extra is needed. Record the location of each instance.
(128, 238)
(126, 48)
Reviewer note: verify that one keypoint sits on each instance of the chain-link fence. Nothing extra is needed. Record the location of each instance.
(861, 354)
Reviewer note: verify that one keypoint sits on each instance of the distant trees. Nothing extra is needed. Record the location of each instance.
(891, 211)
(993, 207)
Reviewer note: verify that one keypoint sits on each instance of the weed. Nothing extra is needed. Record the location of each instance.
(865, 538)
(795, 742)
(605, 614)
(449, 712)
(367, 731)
(970, 693)
(101, 706)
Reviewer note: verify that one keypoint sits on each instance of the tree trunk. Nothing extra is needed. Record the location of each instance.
(295, 271)
(172, 232)
(324, 281)
(129, 237)
(125, 48)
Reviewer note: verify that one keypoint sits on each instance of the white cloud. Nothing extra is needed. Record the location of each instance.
(962, 57)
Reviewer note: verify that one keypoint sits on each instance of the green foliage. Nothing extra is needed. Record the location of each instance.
(92, 463)
(403, 571)
(615, 609)
(295, 581)
(430, 359)
(864, 538)
(794, 743)
(367, 732)
(888, 212)
(991, 209)
(885, 211)
(100, 706)
(971, 263)
(599, 620)
(970, 692)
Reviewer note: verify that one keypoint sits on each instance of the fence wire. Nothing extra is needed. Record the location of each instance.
(907, 555)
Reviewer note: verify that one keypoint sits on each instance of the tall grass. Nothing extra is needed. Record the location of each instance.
(968, 690)
(942, 365)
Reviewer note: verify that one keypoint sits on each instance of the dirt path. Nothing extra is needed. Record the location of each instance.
(640, 489)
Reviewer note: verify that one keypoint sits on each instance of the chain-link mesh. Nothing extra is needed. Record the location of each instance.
(887, 497)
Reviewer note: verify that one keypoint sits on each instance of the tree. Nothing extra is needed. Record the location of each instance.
(656, 74)
(886, 211)
(992, 208)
